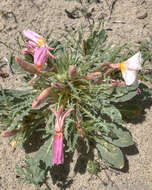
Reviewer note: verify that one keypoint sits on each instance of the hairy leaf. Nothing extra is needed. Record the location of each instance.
(123, 136)
(110, 154)
(112, 112)
(45, 153)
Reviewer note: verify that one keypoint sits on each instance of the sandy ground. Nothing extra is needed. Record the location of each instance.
(130, 23)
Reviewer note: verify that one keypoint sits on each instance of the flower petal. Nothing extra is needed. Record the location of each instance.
(134, 63)
(64, 115)
(57, 114)
(58, 126)
(58, 154)
(31, 35)
(32, 45)
(129, 76)
(40, 57)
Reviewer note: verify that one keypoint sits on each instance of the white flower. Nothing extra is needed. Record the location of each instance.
(130, 67)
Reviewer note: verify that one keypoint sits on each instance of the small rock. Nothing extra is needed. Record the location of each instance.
(142, 15)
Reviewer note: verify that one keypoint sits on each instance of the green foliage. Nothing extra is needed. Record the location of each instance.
(145, 48)
(33, 172)
(122, 137)
(98, 106)
(125, 93)
(93, 167)
(45, 153)
(111, 155)
(112, 112)
(17, 100)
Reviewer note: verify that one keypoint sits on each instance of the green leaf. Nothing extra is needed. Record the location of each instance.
(31, 172)
(113, 113)
(93, 167)
(124, 138)
(102, 35)
(110, 154)
(125, 93)
(125, 97)
(45, 153)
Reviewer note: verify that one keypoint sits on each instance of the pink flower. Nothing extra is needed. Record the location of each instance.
(35, 39)
(31, 47)
(58, 154)
(40, 57)
(37, 46)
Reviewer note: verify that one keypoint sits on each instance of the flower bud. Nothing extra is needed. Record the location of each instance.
(40, 99)
(72, 72)
(8, 133)
(28, 67)
(93, 76)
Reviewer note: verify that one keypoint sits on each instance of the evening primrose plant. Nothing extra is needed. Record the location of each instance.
(78, 91)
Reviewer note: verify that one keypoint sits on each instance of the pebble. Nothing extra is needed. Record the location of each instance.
(142, 15)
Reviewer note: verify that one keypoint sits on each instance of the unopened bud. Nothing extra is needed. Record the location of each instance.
(40, 99)
(117, 83)
(115, 65)
(8, 133)
(79, 128)
(72, 72)
(28, 67)
(93, 76)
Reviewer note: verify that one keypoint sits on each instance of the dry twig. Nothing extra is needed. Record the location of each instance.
(111, 6)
